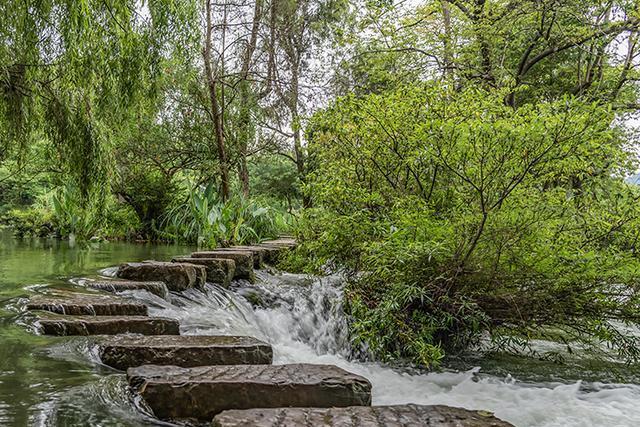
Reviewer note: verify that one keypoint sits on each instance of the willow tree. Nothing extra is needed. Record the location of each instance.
(72, 72)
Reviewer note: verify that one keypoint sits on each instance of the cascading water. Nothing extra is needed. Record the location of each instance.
(304, 322)
(51, 381)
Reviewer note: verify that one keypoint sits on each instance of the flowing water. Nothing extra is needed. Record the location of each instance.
(48, 381)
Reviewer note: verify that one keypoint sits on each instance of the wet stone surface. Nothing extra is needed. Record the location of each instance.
(258, 253)
(157, 288)
(243, 261)
(282, 242)
(359, 416)
(219, 270)
(87, 305)
(51, 324)
(124, 352)
(177, 276)
(269, 254)
(174, 393)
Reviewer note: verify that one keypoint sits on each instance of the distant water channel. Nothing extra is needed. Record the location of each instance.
(48, 381)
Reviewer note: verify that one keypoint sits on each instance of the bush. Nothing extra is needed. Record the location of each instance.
(205, 220)
(455, 215)
(30, 222)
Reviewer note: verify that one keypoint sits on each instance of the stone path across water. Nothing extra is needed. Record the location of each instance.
(202, 392)
(157, 288)
(87, 304)
(177, 276)
(123, 352)
(219, 270)
(243, 260)
(359, 416)
(53, 324)
(199, 377)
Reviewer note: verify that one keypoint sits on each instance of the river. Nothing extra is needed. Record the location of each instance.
(49, 381)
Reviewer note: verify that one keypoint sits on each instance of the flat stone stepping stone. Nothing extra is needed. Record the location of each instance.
(87, 304)
(219, 270)
(360, 416)
(283, 242)
(51, 324)
(243, 260)
(124, 352)
(177, 276)
(157, 288)
(174, 393)
(261, 253)
(268, 254)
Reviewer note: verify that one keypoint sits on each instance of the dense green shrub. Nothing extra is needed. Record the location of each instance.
(30, 222)
(456, 215)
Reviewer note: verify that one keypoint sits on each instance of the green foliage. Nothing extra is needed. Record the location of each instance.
(31, 222)
(458, 214)
(73, 72)
(207, 221)
(275, 177)
(72, 216)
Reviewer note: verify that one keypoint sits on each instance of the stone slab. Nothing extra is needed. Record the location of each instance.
(174, 393)
(219, 270)
(243, 260)
(123, 352)
(359, 416)
(270, 253)
(157, 288)
(106, 325)
(257, 252)
(87, 305)
(177, 276)
(283, 242)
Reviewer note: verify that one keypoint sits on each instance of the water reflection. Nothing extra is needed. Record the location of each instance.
(37, 385)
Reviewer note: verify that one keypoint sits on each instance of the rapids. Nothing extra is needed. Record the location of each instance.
(305, 323)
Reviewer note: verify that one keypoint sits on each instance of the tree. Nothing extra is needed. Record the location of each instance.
(299, 29)
(459, 215)
(538, 50)
(73, 72)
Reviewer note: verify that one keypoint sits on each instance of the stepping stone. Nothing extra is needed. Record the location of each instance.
(157, 288)
(360, 416)
(124, 352)
(257, 252)
(243, 260)
(51, 324)
(177, 276)
(282, 242)
(268, 254)
(271, 253)
(174, 393)
(219, 270)
(87, 304)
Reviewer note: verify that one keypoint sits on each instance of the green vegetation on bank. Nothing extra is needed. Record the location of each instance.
(468, 216)
(462, 162)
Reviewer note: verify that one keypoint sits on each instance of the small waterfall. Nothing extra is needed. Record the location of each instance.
(290, 312)
(303, 319)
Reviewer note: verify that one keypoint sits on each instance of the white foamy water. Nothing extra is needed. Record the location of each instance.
(305, 323)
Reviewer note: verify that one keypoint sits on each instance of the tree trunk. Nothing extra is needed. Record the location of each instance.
(244, 121)
(216, 112)
(297, 135)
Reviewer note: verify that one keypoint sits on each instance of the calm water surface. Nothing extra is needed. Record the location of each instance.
(37, 379)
